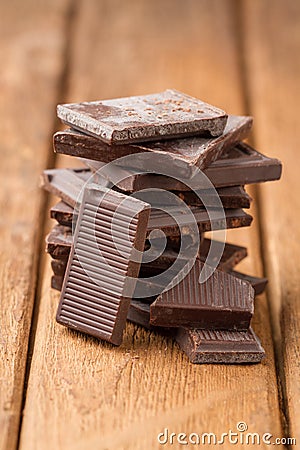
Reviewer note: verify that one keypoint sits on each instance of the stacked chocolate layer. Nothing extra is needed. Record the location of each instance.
(106, 228)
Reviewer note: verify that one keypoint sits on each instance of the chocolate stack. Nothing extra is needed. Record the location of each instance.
(108, 224)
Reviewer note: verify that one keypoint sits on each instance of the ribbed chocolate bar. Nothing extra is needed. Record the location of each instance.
(221, 302)
(143, 118)
(220, 347)
(238, 166)
(258, 284)
(98, 282)
(178, 153)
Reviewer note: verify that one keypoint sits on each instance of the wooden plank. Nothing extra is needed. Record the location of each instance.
(272, 46)
(83, 393)
(31, 50)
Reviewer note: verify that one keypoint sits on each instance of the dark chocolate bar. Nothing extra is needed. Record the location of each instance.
(205, 346)
(234, 218)
(221, 302)
(238, 166)
(99, 279)
(143, 118)
(59, 266)
(178, 153)
(220, 347)
(68, 184)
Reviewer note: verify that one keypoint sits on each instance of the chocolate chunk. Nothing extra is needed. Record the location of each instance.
(143, 118)
(221, 302)
(162, 220)
(99, 279)
(59, 241)
(180, 153)
(240, 165)
(62, 213)
(205, 346)
(59, 267)
(220, 347)
(68, 185)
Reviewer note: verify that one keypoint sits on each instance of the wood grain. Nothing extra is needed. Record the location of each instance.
(272, 50)
(83, 393)
(31, 49)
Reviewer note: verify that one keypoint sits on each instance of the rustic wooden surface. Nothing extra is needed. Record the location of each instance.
(76, 392)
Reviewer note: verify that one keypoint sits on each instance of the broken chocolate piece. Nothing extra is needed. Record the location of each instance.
(178, 153)
(59, 241)
(221, 302)
(143, 118)
(220, 347)
(99, 279)
(240, 165)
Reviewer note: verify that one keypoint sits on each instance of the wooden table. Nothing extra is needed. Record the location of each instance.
(60, 389)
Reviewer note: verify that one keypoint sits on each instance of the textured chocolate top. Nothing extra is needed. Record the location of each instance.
(96, 292)
(221, 302)
(144, 118)
(199, 151)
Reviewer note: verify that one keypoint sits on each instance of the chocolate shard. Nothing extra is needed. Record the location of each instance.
(59, 242)
(221, 302)
(238, 166)
(103, 263)
(143, 118)
(220, 347)
(177, 153)
(258, 284)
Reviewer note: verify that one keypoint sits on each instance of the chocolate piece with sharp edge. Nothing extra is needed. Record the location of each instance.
(143, 118)
(220, 347)
(221, 302)
(101, 271)
(62, 213)
(181, 154)
(205, 346)
(240, 165)
(59, 242)
(159, 219)
(68, 184)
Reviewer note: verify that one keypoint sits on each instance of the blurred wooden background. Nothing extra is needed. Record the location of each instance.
(59, 389)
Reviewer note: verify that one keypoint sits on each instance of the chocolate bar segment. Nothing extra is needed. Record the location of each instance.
(221, 302)
(99, 279)
(177, 153)
(238, 166)
(143, 118)
(258, 284)
(220, 347)
(159, 219)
